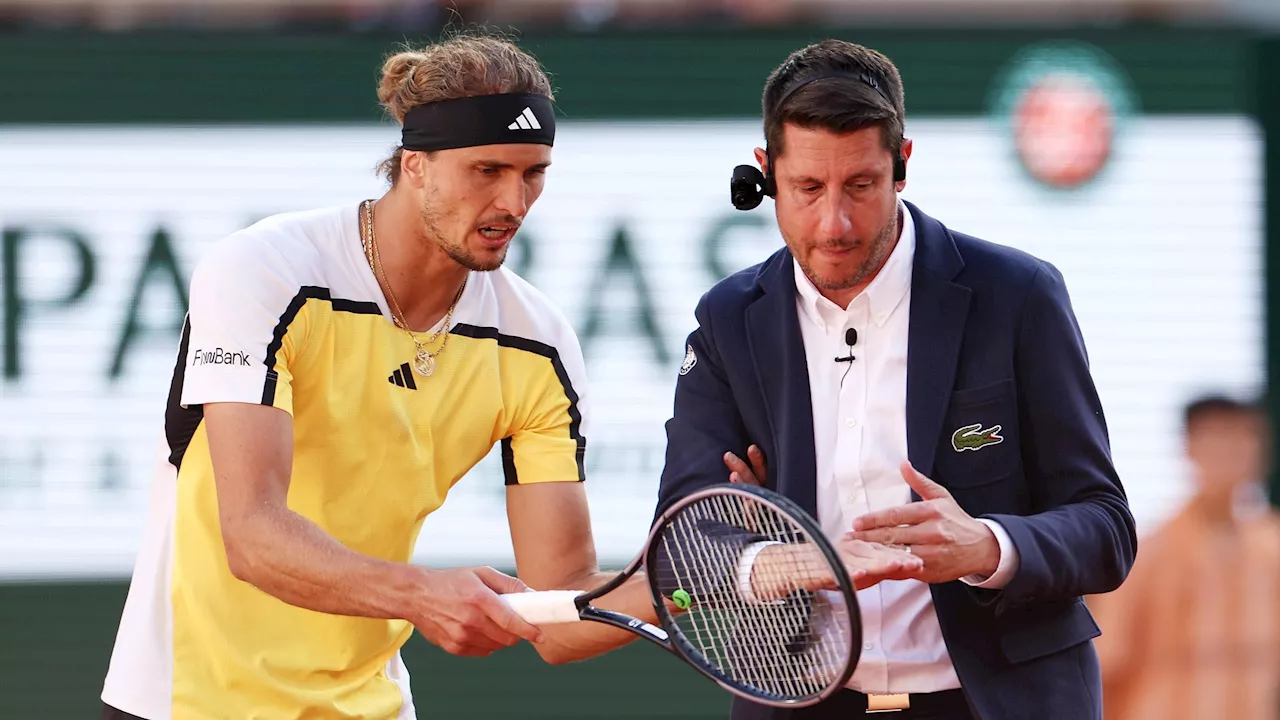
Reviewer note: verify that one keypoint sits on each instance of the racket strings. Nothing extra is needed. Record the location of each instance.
(773, 614)
(752, 664)
(762, 657)
(791, 578)
(800, 626)
(788, 640)
(810, 566)
(709, 628)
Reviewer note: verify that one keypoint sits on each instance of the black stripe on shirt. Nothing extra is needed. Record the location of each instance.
(549, 352)
(180, 423)
(305, 293)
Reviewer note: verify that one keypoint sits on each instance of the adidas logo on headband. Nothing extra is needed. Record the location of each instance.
(480, 120)
(525, 121)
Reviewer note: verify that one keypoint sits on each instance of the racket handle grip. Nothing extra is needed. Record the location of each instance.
(544, 608)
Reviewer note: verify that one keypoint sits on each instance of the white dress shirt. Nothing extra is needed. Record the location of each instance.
(860, 438)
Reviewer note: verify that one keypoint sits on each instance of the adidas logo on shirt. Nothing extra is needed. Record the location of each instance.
(403, 377)
(525, 121)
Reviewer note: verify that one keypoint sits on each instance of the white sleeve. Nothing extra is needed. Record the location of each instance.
(242, 326)
(746, 562)
(1007, 566)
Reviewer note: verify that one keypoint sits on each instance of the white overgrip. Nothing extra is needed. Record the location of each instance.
(545, 607)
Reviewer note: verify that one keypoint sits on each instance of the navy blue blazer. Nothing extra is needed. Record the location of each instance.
(992, 340)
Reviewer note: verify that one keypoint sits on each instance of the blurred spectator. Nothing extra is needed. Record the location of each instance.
(1195, 630)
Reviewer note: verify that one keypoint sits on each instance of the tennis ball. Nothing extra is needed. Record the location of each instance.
(681, 599)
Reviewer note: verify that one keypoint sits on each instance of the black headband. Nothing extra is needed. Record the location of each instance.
(863, 76)
(480, 120)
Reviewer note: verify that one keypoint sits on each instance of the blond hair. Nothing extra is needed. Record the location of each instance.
(464, 65)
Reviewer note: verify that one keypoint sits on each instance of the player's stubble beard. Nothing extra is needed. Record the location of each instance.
(434, 222)
(881, 246)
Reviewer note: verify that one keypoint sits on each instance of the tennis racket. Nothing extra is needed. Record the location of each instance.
(747, 590)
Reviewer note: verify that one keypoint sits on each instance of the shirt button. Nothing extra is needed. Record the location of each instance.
(850, 422)
(880, 318)
(869, 646)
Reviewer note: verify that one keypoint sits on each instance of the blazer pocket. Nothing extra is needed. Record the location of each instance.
(981, 394)
(979, 443)
(1053, 634)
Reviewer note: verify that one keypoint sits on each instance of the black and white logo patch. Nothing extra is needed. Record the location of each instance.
(690, 359)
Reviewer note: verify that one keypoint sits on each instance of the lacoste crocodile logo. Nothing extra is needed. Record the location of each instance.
(973, 437)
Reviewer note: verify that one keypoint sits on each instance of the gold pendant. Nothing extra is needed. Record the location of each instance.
(424, 364)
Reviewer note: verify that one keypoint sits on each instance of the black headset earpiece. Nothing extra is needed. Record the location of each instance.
(899, 169)
(748, 186)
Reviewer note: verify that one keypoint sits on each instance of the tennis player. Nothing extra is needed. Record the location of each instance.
(340, 369)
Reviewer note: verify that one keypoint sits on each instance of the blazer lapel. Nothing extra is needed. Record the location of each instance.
(938, 311)
(777, 349)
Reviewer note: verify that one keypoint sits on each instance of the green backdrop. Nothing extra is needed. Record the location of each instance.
(55, 638)
(213, 78)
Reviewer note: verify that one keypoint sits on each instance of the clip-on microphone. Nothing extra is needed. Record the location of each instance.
(850, 339)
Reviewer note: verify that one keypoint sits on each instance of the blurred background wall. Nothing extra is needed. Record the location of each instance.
(1123, 140)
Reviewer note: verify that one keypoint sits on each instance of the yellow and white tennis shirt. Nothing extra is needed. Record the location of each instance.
(287, 313)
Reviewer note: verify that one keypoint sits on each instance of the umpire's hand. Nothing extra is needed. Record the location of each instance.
(951, 543)
(867, 563)
(740, 472)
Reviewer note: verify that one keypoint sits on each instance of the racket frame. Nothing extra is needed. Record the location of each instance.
(671, 638)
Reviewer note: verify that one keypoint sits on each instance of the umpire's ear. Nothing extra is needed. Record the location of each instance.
(762, 159)
(906, 157)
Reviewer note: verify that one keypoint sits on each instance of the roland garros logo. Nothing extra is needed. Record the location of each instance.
(1063, 107)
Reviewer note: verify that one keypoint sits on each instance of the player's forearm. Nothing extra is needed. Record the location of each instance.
(579, 641)
(291, 558)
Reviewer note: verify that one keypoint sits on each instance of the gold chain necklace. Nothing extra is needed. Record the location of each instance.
(424, 362)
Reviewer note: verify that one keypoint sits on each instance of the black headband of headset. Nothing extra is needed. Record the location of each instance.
(480, 120)
(864, 76)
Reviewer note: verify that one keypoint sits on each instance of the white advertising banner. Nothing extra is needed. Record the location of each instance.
(100, 228)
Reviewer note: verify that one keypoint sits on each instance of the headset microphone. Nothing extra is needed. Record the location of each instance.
(748, 187)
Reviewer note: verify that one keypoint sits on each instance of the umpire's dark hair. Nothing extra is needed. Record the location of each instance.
(1215, 403)
(837, 104)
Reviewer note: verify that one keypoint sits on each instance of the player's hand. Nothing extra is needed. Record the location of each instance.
(460, 611)
(741, 472)
(937, 530)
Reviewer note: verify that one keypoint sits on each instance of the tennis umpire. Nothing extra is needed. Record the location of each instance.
(910, 385)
